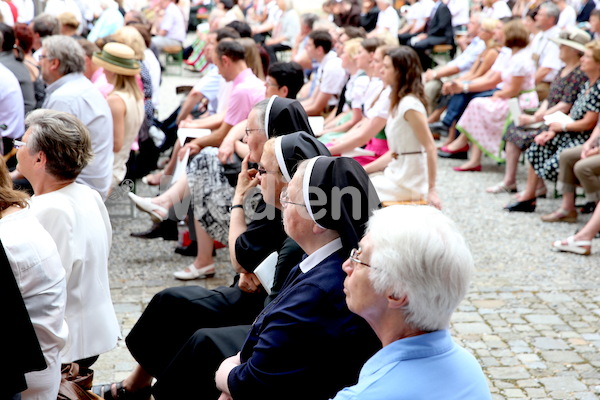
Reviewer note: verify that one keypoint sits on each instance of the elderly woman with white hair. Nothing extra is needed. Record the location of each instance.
(411, 270)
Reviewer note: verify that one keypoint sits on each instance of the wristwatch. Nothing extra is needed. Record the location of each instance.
(233, 207)
(465, 87)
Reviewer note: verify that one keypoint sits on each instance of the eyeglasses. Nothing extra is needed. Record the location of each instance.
(18, 144)
(252, 130)
(284, 199)
(353, 257)
(42, 56)
(262, 171)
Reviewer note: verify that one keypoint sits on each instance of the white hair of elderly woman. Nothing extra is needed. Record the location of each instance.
(419, 252)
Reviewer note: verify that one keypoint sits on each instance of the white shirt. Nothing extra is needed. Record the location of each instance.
(153, 66)
(502, 62)
(12, 113)
(75, 94)
(318, 256)
(39, 273)
(547, 51)
(381, 107)
(460, 12)
(419, 12)
(57, 7)
(388, 19)
(498, 10)
(567, 18)
(26, 10)
(78, 221)
(210, 86)
(6, 14)
(331, 76)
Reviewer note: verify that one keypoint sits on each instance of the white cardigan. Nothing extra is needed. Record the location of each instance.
(77, 219)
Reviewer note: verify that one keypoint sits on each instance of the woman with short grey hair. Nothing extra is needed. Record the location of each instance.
(410, 272)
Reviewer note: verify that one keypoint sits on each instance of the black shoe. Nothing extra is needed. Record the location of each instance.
(461, 155)
(191, 250)
(522, 206)
(588, 207)
(439, 127)
(166, 229)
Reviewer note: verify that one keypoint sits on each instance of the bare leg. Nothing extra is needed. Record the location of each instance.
(512, 162)
(530, 187)
(138, 379)
(174, 195)
(590, 229)
(459, 142)
(205, 246)
(474, 159)
(568, 201)
(435, 115)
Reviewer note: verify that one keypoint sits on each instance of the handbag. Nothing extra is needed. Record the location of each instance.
(76, 383)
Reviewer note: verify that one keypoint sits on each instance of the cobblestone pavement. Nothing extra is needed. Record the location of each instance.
(532, 316)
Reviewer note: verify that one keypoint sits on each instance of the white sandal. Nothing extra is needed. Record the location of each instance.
(570, 245)
(192, 272)
(502, 188)
(157, 213)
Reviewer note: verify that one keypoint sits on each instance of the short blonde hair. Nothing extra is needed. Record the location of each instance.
(594, 46)
(352, 46)
(490, 24)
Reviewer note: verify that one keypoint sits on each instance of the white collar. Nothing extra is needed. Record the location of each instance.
(321, 254)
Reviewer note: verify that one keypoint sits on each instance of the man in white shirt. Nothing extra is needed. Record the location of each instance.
(388, 19)
(63, 63)
(545, 52)
(568, 15)
(330, 75)
(462, 63)
(416, 16)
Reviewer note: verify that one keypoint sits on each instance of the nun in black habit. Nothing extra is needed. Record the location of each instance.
(210, 321)
(307, 344)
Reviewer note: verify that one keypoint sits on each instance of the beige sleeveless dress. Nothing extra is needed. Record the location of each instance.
(134, 116)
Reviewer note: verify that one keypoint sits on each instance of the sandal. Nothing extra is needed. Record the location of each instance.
(191, 272)
(116, 391)
(560, 215)
(570, 245)
(502, 188)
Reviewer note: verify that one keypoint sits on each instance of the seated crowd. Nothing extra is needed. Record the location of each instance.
(317, 131)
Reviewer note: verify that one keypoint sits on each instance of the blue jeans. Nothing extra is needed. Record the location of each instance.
(459, 102)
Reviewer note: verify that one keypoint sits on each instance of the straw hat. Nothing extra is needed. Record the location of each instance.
(117, 58)
(574, 38)
(69, 19)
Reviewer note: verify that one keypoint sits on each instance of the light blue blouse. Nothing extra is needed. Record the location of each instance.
(429, 366)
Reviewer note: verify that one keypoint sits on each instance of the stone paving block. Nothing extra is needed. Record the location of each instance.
(473, 327)
(535, 393)
(561, 357)
(508, 373)
(466, 317)
(544, 319)
(555, 297)
(514, 394)
(528, 383)
(563, 384)
(550, 344)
